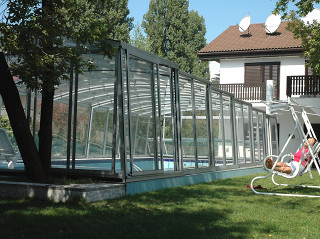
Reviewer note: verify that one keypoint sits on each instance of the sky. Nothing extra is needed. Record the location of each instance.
(218, 14)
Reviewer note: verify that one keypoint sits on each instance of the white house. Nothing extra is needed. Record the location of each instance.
(266, 70)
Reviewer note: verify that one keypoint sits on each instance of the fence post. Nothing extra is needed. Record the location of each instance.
(289, 86)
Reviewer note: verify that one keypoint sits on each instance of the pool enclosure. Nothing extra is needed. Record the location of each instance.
(137, 115)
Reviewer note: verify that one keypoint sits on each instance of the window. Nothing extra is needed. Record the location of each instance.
(260, 72)
(256, 75)
(253, 73)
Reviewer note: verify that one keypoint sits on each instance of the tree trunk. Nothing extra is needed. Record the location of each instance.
(45, 132)
(19, 124)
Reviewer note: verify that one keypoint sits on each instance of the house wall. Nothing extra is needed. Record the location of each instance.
(232, 70)
(290, 66)
(214, 68)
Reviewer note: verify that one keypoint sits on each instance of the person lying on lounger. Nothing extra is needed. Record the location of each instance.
(294, 163)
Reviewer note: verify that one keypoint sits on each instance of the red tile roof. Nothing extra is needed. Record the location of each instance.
(233, 42)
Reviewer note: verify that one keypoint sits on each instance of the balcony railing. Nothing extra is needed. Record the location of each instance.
(252, 92)
(303, 85)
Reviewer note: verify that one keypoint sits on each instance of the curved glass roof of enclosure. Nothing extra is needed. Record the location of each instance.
(138, 114)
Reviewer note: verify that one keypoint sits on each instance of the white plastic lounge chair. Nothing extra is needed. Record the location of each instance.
(7, 153)
(312, 155)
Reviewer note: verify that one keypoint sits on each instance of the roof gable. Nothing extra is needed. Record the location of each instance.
(232, 41)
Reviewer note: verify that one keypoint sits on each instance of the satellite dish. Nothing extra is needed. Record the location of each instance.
(312, 16)
(244, 23)
(272, 23)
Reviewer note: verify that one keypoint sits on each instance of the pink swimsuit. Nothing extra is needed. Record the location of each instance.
(297, 156)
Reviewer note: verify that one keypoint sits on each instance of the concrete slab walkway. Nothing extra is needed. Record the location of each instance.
(62, 193)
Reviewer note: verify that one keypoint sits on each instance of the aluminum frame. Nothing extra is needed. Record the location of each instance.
(125, 139)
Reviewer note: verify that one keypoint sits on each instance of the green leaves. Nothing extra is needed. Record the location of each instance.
(309, 34)
(138, 39)
(176, 33)
(34, 33)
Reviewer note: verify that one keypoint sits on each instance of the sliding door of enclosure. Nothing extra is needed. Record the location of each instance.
(239, 132)
(95, 116)
(166, 117)
(247, 127)
(262, 135)
(218, 131)
(228, 129)
(187, 122)
(142, 115)
(202, 133)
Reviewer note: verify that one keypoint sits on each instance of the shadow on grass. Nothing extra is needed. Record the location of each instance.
(185, 212)
(221, 209)
(132, 219)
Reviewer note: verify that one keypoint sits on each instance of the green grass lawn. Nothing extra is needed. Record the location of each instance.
(221, 209)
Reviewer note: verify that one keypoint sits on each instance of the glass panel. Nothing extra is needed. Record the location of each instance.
(166, 117)
(201, 124)
(5, 124)
(141, 108)
(247, 128)
(82, 130)
(117, 139)
(99, 119)
(187, 129)
(255, 135)
(127, 119)
(107, 150)
(59, 124)
(95, 91)
(4, 118)
(60, 130)
(239, 132)
(228, 127)
(157, 114)
(217, 123)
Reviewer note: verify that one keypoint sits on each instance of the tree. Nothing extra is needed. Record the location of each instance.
(138, 38)
(34, 32)
(308, 33)
(177, 34)
(119, 23)
(19, 124)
